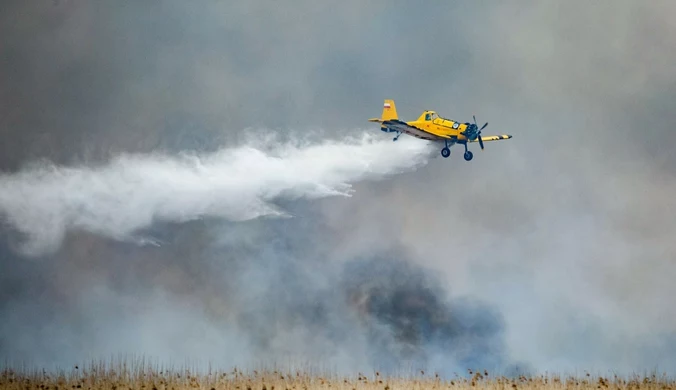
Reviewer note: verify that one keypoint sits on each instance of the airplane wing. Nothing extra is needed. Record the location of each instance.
(493, 138)
(405, 128)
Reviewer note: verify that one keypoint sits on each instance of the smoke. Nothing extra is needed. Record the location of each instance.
(254, 295)
(382, 312)
(421, 325)
(566, 229)
(394, 315)
(240, 183)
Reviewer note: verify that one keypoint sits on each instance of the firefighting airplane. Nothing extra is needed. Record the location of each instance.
(432, 127)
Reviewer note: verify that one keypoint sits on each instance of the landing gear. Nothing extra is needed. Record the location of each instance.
(397, 137)
(445, 152)
(468, 155)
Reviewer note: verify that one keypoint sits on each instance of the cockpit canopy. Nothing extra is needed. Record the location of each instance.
(431, 115)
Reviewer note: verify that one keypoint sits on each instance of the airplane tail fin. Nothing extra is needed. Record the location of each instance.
(389, 112)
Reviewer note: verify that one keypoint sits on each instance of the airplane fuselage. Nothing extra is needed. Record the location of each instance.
(430, 123)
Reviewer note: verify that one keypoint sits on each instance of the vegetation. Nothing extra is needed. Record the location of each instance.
(140, 376)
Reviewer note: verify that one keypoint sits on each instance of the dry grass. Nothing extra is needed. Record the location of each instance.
(142, 377)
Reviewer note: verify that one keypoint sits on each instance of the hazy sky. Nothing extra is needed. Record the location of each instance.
(556, 246)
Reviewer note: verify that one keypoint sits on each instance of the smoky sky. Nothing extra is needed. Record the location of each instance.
(555, 247)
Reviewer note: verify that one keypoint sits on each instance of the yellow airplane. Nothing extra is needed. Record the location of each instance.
(431, 126)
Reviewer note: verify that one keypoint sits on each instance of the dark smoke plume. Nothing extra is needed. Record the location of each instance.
(421, 324)
(382, 311)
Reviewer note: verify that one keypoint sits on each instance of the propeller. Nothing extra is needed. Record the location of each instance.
(481, 141)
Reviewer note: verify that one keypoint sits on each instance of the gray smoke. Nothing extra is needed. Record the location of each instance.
(409, 317)
(252, 296)
(566, 230)
(383, 313)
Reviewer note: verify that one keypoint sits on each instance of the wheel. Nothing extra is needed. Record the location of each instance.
(468, 155)
(445, 152)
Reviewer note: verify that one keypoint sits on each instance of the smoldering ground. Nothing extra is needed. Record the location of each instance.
(565, 229)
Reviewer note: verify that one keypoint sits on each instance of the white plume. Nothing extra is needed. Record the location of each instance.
(132, 191)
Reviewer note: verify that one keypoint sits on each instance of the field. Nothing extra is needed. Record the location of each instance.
(144, 377)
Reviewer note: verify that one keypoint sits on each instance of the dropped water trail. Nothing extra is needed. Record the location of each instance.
(132, 191)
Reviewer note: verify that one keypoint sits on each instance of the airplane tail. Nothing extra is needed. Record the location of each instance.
(389, 112)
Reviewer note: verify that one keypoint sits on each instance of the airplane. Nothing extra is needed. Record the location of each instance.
(432, 127)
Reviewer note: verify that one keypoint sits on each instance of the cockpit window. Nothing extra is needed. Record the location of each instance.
(430, 116)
